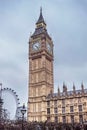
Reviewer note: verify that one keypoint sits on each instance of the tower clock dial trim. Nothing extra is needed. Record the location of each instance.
(36, 46)
(49, 48)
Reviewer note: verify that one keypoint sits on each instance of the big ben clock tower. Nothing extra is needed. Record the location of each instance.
(40, 71)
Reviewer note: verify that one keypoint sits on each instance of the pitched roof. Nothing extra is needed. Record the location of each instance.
(62, 94)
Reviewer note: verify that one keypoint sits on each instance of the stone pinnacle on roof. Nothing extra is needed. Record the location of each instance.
(41, 19)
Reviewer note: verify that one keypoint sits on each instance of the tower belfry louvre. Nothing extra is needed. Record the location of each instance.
(43, 103)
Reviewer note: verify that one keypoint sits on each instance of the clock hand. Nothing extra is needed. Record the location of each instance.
(36, 46)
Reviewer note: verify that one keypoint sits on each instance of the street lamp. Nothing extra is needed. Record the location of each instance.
(23, 111)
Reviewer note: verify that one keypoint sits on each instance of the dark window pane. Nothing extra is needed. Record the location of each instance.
(80, 108)
(48, 118)
(64, 119)
(55, 110)
(63, 109)
(48, 110)
(55, 103)
(71, 108)
(63, 101)
(80, 118)
(56, 119)
(48, 103)
(72, 119)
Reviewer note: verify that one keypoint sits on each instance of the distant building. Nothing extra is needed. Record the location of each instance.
(43, 103)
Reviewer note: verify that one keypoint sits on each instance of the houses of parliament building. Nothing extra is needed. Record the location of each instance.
(43, 103)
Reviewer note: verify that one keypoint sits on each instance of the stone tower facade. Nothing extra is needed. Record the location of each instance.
(40, 70)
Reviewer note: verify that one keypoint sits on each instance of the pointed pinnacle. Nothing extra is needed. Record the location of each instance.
(41, 10)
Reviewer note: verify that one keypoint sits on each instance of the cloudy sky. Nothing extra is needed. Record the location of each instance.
(66, 23)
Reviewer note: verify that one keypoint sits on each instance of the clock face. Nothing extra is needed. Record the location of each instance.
(36, 46)
(49, 48)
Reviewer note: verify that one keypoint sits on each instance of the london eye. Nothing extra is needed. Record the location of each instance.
(9, 103)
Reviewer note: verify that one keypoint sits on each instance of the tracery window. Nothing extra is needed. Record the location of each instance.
(63, 109)
(48, 110)
(71, 109)
(80, 108)
(48, 103)
(64, 119)
(72, 119)
(55, 110)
